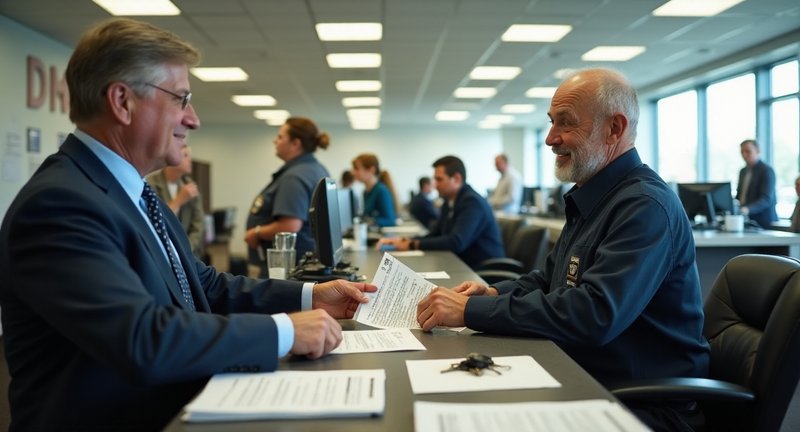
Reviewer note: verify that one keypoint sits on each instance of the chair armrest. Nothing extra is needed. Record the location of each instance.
(682, 388)
(507, 264)
(493, 276)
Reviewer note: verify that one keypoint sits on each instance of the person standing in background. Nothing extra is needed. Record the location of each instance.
(421, 206)
(174, 185)
(756, 189)
(283, 205)
(380, 200)
(507, 195)
(795, 220)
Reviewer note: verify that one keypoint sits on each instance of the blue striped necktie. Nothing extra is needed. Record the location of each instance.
(157, 219)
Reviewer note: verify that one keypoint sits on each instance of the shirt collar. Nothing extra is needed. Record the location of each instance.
(125, 174)
(586, 197)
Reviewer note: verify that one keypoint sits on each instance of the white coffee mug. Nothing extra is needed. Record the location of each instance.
(734, 223)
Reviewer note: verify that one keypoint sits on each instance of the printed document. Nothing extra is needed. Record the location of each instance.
(574, 416)
(394, 305)
(290, 394)
(515, 372)
(366, 341)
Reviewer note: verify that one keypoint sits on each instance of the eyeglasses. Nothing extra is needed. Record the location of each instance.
(185, 98)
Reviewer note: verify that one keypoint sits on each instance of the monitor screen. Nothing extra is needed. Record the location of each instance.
(323, 215)
(708, 199)
(345, 208)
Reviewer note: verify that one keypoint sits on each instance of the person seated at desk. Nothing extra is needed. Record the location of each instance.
(174, 185)
(422, 207)
(110, 323)
(466, 226)
(380, 206)
(794, 225)
(620, 291)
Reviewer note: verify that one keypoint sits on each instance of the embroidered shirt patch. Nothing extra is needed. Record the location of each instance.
(572, 270)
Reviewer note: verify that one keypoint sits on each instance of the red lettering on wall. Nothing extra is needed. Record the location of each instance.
(36, 83)
(58, 91)
(41, 85)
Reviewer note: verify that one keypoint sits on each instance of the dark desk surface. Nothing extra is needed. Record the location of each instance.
(398, 415)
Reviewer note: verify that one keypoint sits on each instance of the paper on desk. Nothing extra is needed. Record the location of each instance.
(364, 341)
(408, 253)
(402, 229)
(394, 305)
(290, 394)
(573, 416)
(524, 373)
(434, 275)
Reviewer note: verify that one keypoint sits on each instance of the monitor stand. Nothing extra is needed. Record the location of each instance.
(314, 271)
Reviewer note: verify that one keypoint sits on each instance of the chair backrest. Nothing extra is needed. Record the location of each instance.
(530, 246)
(508, 229)
(752, 321)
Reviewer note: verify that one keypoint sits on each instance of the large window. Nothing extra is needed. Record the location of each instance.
(731, 114)
(763, 104)
(677, 137)
(784, 131)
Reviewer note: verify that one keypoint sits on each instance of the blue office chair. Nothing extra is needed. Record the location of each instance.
(752, 321)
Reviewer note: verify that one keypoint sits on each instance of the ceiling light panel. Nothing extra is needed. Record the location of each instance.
(612, 53)
(495, 73)
(139, 8)
(271, 114)
(354, 60)
(220, 74)
(541, 92)
(253, 100)
(475, 92)
(535, 33)
(358, 85)
(695, 8)
(499, 118)
(349, 31)
(452, 115)
(518, 108)
(351, 102)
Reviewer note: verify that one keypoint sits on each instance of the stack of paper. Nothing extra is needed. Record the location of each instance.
(290, 394)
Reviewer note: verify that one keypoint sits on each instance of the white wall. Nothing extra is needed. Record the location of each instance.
(16, 164)
(243, 158)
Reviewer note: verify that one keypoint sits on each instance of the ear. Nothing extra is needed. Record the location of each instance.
(617, 128)
(119, 99)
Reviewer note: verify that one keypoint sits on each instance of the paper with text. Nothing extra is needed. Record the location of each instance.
(290, 394)
(366, 341)
(574, 416)
(441, 274)
(522, 372)
(394, 305)
(408, 253)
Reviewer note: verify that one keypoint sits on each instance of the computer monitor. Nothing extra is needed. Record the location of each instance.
(323, 215)
(708, 199)
(345, 209)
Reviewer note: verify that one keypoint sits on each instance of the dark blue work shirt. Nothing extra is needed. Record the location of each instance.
(620, 292)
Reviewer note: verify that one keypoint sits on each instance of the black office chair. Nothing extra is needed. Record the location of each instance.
(752, 321)
(528, 250)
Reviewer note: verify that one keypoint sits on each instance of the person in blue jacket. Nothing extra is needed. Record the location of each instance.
(466, 225)
(380, 203)
(620, 291)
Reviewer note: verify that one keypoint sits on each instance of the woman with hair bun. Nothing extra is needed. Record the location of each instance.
(379, 198)
(283, 205)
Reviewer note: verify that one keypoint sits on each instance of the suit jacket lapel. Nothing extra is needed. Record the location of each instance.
(99, 174)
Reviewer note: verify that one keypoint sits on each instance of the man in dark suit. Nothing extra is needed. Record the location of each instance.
(466, 226)
(421, 207)
(756, 189)
(110, 322)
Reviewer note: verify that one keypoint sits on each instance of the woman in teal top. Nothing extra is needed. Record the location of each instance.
(379, 198)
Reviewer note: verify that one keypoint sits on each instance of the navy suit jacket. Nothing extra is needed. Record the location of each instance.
(97, 334)
(468, 229)
(760, 199)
